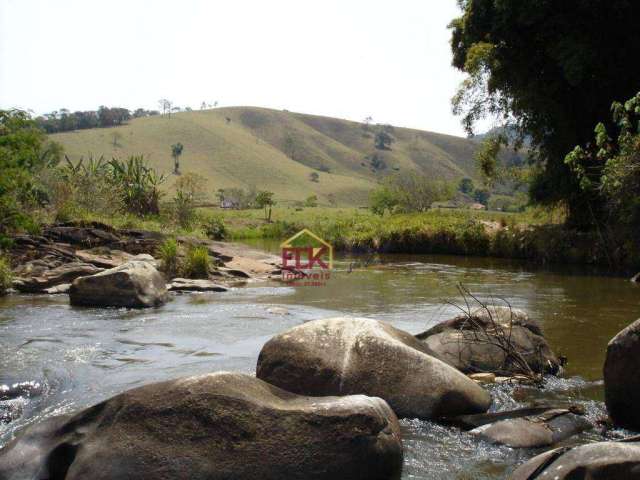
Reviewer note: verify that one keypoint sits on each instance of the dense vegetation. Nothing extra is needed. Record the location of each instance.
(550, 71)
(25, 153)
(65, 121)
(608, 172)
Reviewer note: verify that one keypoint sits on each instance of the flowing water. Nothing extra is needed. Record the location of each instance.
(75, 357)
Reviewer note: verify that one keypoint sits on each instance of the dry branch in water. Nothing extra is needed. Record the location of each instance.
(488, 329)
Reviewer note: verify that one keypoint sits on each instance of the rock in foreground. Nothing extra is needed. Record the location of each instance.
(595, 461)
(344, 356)
(213, 427)
(482, 342)
(135, 284)
(622, 377)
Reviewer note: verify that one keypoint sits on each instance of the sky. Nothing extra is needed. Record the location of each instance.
(341, 58)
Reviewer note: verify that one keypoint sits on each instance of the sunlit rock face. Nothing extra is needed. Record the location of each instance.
(344, 356)
(135, 284)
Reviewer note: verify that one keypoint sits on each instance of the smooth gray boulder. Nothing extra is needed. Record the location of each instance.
(622, 377)
(343, 356)
(135, 284)
(219, 426)
(594, 461)
(486, 340)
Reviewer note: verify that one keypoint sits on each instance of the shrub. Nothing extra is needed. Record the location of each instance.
(311, 201)
(190, 189)
(197, 263)
(5, 275)
(168, 253)
(215, 228)
(137, 184)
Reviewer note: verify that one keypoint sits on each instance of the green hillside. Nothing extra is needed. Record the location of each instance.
(277, 151)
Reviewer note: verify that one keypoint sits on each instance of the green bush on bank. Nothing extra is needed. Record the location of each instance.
(5, 274)
(196, 263)
(168, 255)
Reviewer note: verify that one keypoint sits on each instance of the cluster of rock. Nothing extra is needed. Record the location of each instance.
(324, 404)
(603, 460)
(327, 394)
(100, 266)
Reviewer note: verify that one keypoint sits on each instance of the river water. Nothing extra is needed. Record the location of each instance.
(76, 357)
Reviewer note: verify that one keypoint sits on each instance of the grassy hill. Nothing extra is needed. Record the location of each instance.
(277, 150)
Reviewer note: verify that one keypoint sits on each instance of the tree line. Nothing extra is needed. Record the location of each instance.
(64, 120)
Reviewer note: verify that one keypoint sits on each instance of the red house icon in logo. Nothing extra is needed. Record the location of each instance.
(305, 251)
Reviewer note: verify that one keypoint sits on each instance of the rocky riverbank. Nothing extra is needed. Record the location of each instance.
(368, 371)
(50, 262)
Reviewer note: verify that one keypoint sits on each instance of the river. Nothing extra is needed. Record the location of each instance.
(79, 356)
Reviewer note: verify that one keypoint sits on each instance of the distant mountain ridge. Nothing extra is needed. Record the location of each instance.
(279, 151)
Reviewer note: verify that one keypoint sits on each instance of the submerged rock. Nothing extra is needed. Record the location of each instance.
(44, 279)
(194, 285)
(213, 427)
(594, 461)
(135, 284)
(483, 342)
(343, 356)
(533, 431)
(622, 377)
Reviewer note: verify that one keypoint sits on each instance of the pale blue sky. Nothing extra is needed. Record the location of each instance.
(342, 58)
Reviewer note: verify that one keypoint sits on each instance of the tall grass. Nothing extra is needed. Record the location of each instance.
(197, 263)
(168, 254)
(5, 274)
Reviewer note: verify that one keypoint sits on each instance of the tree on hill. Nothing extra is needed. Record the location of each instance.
(466, 186)
(176, 152)
(264, 199)
(165, 105)
(290, 145)
(366, 123)
(482, 195)
(577, 63)
(383, 140)
(377, 162)
(314, 177)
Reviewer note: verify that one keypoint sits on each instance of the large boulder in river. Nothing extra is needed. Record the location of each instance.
(492, 339)
(594, 461)
(212, 427)
(622, 377)
(343, 356)
(135, 284)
